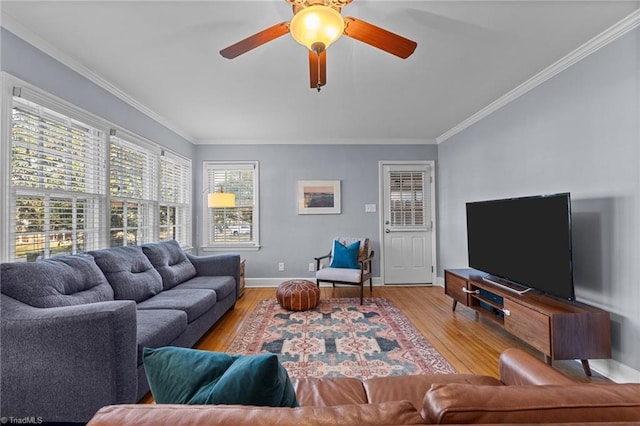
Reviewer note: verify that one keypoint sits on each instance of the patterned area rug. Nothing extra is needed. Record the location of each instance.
(340, 337)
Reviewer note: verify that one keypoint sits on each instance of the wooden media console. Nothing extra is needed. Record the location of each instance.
(560, 329)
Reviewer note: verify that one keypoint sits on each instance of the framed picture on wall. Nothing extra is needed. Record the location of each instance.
(318, 197)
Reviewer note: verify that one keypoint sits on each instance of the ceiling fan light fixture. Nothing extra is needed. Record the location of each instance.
(316, 27)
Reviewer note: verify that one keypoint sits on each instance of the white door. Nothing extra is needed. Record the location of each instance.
(407, 223)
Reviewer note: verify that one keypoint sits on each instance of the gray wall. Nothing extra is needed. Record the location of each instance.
(27, 63)
(296, 239)
(579, 132)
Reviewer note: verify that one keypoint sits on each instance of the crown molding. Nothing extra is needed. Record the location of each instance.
(606, 37)
(319, 141)
(27, 35)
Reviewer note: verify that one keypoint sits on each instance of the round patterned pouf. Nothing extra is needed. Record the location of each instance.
(298, 295)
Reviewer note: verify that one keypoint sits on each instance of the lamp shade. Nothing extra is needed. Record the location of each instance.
(316, 27)
(221, 199)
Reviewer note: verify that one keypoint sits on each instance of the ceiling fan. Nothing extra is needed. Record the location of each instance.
(318, 23)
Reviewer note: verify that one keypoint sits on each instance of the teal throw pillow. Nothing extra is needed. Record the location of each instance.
(345, 256)
(191, 376)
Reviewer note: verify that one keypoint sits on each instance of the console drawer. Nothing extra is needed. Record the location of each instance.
(453, 286)
(529, 325)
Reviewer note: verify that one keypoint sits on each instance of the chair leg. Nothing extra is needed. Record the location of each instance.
(361, 293)
(371, 286)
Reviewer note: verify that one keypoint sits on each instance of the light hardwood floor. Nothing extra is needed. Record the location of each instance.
(469, 342)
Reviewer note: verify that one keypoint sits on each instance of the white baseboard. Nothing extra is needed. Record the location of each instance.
(275, 282)
(614, 370)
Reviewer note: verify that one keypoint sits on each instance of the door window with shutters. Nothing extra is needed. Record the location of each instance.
(234, 223)
(409, 199)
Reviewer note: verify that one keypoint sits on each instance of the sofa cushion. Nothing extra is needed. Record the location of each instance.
(339, 274)
(463, 403)
(388, 413)
(190, 376)
(413, 387)
(329, 391)
(158, 327)
(59, 281)
(170, 261)
(223, 285)
(129, 272)
(193, 302)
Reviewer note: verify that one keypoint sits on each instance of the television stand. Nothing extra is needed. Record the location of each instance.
(558, 328)
(518, 289)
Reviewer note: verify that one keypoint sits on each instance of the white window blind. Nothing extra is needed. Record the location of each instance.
(57, 182)
(238, 225)
(175, 198)
(133, 182)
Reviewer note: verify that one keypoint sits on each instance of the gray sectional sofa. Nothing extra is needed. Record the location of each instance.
(73, 327)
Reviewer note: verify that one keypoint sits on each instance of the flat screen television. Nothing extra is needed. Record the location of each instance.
(525, 241)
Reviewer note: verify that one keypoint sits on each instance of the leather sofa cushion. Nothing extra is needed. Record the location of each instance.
(129, 272)
(55, 282)
(388, 413)
(462, 403)
(326, 392)
(414, 387)
(170, 261)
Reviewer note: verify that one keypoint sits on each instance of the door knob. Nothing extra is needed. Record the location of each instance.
(386, 222)
(387, 230)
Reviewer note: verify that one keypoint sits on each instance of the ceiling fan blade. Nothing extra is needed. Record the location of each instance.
(379, 37)
(255, 40)
(317, 63)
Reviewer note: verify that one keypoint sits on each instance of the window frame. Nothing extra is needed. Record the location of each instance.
(12, 86)
(145, 200)
(181, 203)
(206, 244)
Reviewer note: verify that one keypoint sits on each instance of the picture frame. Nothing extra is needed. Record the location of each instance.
(318, 197)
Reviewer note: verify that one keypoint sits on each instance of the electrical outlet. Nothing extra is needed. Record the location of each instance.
(281, 266)
(312, 267)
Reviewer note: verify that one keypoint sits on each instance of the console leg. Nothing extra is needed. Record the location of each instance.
(585, 366)
(548, 359)
(453, 307)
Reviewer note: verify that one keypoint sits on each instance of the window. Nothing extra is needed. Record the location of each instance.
(134, 191)
(175, 199)
(407, 200)
(70, 185)
(57, 183)
(236, 225)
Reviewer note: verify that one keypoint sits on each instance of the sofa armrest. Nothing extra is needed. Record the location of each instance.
(561, 404)
(226, 264)
(63, 364)
(518, 367)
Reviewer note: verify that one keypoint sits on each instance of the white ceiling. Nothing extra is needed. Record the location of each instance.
(164, 56)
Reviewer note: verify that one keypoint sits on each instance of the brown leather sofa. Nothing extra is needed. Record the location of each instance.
(528, 391)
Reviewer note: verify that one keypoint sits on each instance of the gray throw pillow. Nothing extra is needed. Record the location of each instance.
(129, 272)
(170, 261)
(60, 281)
